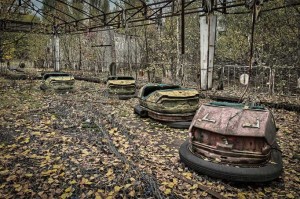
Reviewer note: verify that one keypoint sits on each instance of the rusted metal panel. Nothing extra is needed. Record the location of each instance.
(170, 117)
(121, 85)
(58, 81)
(233, 134)
(236, 121)
(166, 102)
(233, 149)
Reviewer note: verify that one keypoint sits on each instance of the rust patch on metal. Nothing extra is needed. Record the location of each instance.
(170, 117)
(233, 135)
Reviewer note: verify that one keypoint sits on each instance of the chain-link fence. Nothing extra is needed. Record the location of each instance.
(263, 79)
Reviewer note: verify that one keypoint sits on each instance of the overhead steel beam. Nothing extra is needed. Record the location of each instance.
(38, 11)
(42, 2)
(134, 14)
(18, 26)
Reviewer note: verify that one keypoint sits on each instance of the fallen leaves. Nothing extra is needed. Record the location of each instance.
(85, 181)
(47, 154)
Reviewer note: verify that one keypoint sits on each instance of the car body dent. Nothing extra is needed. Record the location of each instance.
(121, 85)
(58, 81)
(233, 135)
(169, 104)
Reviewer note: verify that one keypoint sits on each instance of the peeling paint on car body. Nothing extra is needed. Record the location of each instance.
(231, 134)
(169, 102)
(121, 85)
(58, 81)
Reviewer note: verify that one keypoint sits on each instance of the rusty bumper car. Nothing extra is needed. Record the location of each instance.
(122, 87)
(167, 103)
(233, 142)
(58, 81)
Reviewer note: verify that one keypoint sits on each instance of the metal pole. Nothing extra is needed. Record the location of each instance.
(182, 28)
(207, 47)
(56, 56)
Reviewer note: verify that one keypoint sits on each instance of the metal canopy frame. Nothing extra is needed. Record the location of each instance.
(124, 14)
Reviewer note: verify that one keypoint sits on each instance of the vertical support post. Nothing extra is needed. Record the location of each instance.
(56, 57)
(208, 26)
(182, 28)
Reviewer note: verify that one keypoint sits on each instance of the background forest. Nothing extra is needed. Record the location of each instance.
(156, 48)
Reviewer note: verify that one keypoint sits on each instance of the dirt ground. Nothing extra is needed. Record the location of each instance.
(85, 145)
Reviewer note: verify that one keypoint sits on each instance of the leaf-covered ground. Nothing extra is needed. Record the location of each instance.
(84, 145)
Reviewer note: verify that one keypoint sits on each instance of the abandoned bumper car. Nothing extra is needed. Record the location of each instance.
(121, 86)
(58, 81)
(233, 142)
(167, 103)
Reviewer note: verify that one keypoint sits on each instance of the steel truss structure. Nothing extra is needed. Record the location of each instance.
(124, 14)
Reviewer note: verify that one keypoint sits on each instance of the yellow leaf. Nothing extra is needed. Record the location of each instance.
(132, 193)
(171, 185)
(195, 186)
(17, 187)
(53, 117)
(98, 196)
(261, 193)
(68, 189)
(56, 166)
(85, 181)
(5, 172)
(241, 195)
(48, 122)
(100, 190)
(188, 175)
(111, 193)
(109, 172)
(132, 179)
(33, 156)
(90, 192)
(111, 131)
(36, 133)
(121, 151)
(25, 152)
(85, 152)
(117, 188)
(204, 194)
(127, 185)
(167, 191)
(290, 195)
(64, 196)
(10, 178)
(26, 140)
(50, 180)
(46, 173)
(73, 182)
(28, 174)
(175, 181)
(47, 158)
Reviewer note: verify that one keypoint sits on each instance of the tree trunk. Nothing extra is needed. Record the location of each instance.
(113, 46)
(80, 54)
